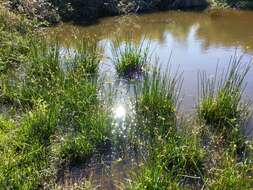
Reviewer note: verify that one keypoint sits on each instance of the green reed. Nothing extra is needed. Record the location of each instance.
(221, 104)
(129, 58)
(158, 101)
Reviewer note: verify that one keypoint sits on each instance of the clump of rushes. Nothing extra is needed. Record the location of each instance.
(175, 157)
(42, 75)
(221, 106)
(45, 72)
(87, 57)
(158, 101)
(83, 122)
(177, 162)
(129, 59)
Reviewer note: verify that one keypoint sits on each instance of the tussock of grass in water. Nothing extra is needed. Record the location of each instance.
(157, 104)
(84, 122)
(87, 58)
(175, 162)
(221, 106)
(173, 157)
(129, 58)
(45, 74)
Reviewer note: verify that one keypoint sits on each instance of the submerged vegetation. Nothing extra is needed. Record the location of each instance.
(53, 116)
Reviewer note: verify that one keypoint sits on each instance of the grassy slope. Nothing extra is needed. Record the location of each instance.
(57, 116)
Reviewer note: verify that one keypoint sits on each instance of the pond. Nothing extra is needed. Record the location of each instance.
(195, 41)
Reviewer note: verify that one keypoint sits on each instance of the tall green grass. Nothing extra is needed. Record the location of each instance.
(174, 153)
(174, 162)
(129, 58)
(69, 124)
(87, 58)
(221, 104)
(157, 104)
(26, 151)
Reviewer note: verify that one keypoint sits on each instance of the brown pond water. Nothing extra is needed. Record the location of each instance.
(197, 40)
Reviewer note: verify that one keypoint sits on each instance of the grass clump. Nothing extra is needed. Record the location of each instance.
(87, 58)
(221, 106)
(45, 72)
(69, 125)
(174, 156)
(176, 162)
(129, 58)
(82, 119)
(157, 103)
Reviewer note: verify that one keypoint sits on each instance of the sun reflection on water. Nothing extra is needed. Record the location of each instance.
(119, 112)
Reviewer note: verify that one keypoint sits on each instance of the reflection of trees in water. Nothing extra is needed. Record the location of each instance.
(230, 28)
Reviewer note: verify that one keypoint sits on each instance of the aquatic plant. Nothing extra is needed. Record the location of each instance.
(175, 162)
(87, 57)
(129, 59)
(158, 101)
(220, 105)
(82, 119)
(174, 156)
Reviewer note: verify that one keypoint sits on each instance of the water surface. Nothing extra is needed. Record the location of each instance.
(197, 40)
